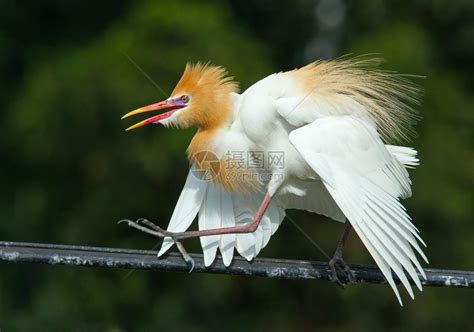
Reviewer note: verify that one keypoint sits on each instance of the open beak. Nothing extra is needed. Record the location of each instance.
(172, 105)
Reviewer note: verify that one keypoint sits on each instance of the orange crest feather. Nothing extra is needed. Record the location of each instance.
(210, 89)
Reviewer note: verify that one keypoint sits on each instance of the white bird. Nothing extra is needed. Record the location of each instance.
(314, 138)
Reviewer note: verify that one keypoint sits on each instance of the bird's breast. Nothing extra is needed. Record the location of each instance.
(225, 158)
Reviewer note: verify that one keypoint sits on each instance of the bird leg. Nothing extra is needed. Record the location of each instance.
(337, 259)
(177, 236)
(159, 232)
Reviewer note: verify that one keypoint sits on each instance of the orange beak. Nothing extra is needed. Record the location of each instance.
(172, 105)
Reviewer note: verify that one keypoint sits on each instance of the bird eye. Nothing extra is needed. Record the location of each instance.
(185, 99)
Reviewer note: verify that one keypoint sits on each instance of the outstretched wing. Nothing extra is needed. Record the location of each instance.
(223, 209)
(218, 208)
(365, 179)
(245, 208)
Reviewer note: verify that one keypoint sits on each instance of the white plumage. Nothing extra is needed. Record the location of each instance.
(365, 180)
(330, 120)
(219, 208)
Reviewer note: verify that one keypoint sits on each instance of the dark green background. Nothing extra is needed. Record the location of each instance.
(69, 171)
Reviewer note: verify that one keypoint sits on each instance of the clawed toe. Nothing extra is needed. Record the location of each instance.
(153, 226)
(337, 261)
(125, 221)
(141, 220)
(147, 226)
(350, 274)
(187, 258)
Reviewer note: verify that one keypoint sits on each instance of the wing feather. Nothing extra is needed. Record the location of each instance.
(365, 180)
(395, 232)
(245, 208)
(406, 155)
(227, 241)
(393, 244)
(186, 209)
(218, 208)
(209, 218)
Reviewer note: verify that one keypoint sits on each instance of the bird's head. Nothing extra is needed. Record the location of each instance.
(201, 98)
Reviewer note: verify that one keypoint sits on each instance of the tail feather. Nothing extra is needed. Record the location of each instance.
(406, 155)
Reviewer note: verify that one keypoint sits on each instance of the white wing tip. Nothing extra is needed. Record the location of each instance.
(406, 155)
(227, 259)
(208, 260)
(165, 246)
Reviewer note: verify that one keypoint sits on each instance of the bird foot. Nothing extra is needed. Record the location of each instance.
(148, 227)
(335, 261)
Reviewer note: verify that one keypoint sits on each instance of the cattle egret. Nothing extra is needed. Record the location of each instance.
(315, 138)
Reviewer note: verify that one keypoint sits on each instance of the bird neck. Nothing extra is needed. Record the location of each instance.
(202, 141)
(205, 151)
(218, 166)
(218, 115)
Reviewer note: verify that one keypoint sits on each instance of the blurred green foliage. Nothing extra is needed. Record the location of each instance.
(69, 172)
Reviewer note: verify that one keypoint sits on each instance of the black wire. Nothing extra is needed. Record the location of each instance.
(55, 254)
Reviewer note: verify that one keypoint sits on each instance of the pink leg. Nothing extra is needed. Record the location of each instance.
(159, 232)
(248, 228)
